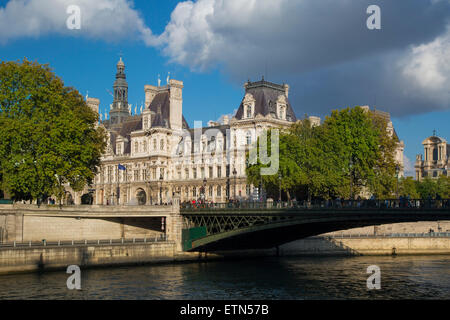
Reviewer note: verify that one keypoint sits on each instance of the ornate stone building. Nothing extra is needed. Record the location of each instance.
(161, 155)
(153, 155)
(436, 161)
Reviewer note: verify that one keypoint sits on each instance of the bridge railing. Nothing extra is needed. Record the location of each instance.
(71, 243)
(392, 235)
(321, 204)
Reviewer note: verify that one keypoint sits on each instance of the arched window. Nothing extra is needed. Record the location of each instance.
(161, 146)
(435, 154)
(194, 192)
(219, 191)
(249, 138)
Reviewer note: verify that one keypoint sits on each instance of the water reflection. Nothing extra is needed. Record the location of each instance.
(265, 278)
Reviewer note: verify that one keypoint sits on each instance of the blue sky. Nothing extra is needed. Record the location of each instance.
(322, 49)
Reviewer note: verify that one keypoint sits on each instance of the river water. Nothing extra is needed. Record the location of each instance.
(402, 277)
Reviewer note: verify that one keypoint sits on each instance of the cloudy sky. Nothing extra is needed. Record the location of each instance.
(321, 48)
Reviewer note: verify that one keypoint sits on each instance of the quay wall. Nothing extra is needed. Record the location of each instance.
(28, 223)
(33, 259)
(367, 246)
(17, 260)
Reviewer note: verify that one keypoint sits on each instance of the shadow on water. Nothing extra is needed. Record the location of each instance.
(402, 277)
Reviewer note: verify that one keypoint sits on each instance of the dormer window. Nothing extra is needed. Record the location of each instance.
(249, 111)
(249, 106)
(282, 113)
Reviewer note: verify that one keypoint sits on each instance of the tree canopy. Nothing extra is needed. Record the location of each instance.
(49, 134)
(351, 153)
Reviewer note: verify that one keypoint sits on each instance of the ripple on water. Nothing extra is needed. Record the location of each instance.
(421, 277)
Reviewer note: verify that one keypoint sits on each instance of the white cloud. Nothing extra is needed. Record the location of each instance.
(108, 20)
(323, 48)
(408, 169)
(323, 40)
(428, 65)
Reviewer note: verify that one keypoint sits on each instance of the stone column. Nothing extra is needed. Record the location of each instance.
(174, 224)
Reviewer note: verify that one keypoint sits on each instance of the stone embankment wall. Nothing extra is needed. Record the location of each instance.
(28, 223)
(16, 260)
(367, 246)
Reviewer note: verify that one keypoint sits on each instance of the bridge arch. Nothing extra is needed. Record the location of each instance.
(218, 231)
(141, 196)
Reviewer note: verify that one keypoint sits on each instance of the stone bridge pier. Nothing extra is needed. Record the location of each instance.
(174, 224)
(25, 222)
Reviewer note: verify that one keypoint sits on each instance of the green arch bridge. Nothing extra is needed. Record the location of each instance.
(236, 226)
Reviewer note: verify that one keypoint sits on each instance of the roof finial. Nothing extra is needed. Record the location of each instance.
(159, 80)
(262, 78)
(434, 133)
(168, 78)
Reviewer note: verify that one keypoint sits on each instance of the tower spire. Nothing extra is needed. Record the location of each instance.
(119, 111)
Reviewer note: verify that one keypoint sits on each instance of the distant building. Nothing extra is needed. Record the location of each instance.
(154, 155)
(436, 159)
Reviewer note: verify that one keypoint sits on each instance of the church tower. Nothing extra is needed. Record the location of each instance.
(119, 111)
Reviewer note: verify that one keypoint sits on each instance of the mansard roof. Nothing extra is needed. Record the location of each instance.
(266, 95)
(160, 107)
(210, 133)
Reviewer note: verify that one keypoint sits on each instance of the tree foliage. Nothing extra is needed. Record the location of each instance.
(425, 189)
(49, 134)
(350, 153)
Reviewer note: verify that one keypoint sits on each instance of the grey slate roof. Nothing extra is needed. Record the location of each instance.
(266, 95)
(161, 108)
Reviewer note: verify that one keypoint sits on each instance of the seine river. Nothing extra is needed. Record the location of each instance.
(402, 277)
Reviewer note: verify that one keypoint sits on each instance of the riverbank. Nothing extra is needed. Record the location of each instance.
(368, 245)
(39, 259)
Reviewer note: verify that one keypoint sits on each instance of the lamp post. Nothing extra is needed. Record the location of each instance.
(351, 178)
(279, 187)
(204, 188)
(160, 188)
(234, 187)
(397, 171)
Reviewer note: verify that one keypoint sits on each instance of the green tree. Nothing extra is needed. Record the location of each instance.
(287, 176)
(49, 134)
(443, 187)
(383, 182)
(427, 188)
(408, 187)
(352, 140)
(317, 174)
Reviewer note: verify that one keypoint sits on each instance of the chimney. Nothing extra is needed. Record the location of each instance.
(150, 93)
(226, 120)
(94, 104)
(315, 121)
(176, 104)
(286, 90)
(365, 108)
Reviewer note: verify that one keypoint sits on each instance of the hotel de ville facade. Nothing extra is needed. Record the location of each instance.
(154, 155)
